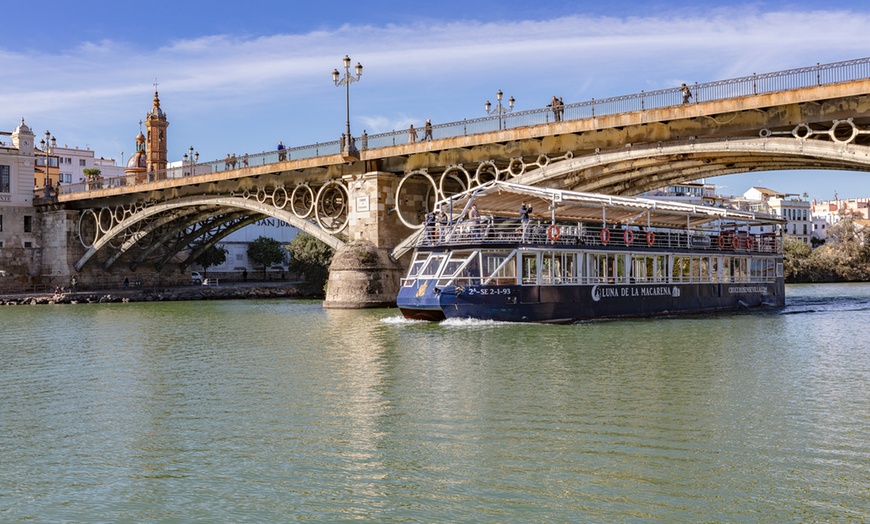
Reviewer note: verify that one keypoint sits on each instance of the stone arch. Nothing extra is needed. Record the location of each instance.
(634, 169)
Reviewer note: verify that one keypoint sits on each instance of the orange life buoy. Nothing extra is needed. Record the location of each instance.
(554, 232)
(605, 236)
(628, 236)
(749, 243)
(650, 238)
(722, 241)
(735, 242)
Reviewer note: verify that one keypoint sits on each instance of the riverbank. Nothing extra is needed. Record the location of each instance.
(226, 292)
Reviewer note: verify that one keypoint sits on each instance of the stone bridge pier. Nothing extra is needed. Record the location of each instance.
(362, 273)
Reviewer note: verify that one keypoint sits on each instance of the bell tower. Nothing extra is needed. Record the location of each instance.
(156, 124)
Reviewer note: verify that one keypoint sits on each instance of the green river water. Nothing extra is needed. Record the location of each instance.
(281, 411)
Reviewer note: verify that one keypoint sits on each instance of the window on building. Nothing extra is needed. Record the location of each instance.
(1, 222)
(69, 160)
(28, 224)
(82, 162)
(4, 179)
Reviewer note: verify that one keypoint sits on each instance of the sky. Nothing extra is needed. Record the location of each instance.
(236, 77)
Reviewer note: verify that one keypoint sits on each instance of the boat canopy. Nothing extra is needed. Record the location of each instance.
(503, 199)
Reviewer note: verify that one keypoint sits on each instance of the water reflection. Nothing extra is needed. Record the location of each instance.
(258, 411)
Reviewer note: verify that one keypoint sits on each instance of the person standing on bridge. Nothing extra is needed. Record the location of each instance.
(554, 106)
(427, 135)
(282, 156)
(412, 134)
(687, 94)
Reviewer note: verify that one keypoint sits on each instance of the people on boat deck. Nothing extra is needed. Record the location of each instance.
(474, 216)
(429, 224)
(525, 210)
(442, 226)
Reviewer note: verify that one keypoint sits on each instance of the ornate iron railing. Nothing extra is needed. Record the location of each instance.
(757, 84)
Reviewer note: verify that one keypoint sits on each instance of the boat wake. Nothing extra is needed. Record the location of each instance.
(804, 305)
(400, 320)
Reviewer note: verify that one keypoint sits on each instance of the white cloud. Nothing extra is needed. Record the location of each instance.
(270, 85)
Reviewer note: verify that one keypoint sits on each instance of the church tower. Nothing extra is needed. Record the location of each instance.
(155, 124)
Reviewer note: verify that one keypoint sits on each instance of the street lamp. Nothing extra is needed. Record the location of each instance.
(47, 143)
(346, 81)
(499, 109)
(194, 157)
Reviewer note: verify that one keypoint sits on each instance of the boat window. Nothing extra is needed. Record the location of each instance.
(530, 268)
(500, 268)
(705, 269)
(417, 264)
(647, 268)
(461, 269)
(430, 269)
(547, 267)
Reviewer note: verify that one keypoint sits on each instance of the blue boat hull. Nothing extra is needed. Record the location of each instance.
(569, 303)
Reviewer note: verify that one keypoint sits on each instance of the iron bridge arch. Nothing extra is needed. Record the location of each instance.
(159, 231)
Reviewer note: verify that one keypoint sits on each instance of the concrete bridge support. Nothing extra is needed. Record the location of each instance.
(362, 274)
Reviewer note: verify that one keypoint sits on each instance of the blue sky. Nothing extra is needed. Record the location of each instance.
(236, 77)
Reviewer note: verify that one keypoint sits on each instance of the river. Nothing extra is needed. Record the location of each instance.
(281, 411)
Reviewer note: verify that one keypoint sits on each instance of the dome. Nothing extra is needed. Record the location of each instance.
(156, 112)
(137, 160)
(23, 129)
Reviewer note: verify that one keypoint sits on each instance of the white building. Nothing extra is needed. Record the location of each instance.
(788, 206)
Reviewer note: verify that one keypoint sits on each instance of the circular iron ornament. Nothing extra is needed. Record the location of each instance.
(105, 219)
(802, 131)
(416, 172)
(765, 133)
(302, 201)
(448, 174)
(484, 168)
(513, 170)
(330, 210)
(280, 195)
(852, 135)
(261, 195)
(543, 160)
(120, 213)
(96, 228)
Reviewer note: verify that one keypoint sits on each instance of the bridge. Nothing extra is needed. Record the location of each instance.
(378, 188)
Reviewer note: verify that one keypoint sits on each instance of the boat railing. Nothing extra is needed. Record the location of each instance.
(485, 231)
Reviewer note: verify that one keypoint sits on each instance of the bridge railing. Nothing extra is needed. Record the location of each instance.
(817, 75)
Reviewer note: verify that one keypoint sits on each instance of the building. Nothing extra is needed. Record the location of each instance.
(20, 255)
(791, 207)
(828, 212)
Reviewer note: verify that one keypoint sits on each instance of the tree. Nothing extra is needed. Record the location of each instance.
(92, 173)
(310, 258)
(212, 256)
(266, 251)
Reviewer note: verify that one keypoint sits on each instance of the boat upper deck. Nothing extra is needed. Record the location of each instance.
(572, 219)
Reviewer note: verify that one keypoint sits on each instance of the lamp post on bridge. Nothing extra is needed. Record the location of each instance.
(348, 147)
(499, 109)
(193, 158)
(47, 143)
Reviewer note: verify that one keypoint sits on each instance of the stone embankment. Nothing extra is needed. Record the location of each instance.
(229, 292)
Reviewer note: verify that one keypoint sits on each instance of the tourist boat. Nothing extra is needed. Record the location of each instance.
(586, 256)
